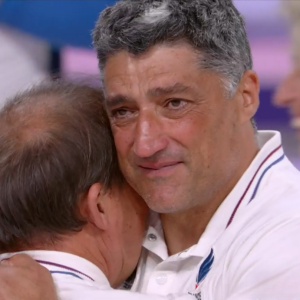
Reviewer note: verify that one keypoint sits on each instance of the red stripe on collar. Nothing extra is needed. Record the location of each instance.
(63, 267)
(249, 185)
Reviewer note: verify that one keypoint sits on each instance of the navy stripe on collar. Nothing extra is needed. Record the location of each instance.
(251, 181)
(64, 267)
(263, 174)
(65, 273)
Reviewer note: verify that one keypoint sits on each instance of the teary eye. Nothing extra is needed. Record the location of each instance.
(176, 103)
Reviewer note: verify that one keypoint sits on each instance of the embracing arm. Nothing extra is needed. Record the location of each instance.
(21, 278)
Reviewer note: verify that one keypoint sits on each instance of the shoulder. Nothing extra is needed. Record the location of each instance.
(258, 257)
(279, 191)
(75, 290)
(259, 251)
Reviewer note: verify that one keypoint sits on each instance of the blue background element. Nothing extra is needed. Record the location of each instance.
(65, 22)
(267, 112)
(60, 22)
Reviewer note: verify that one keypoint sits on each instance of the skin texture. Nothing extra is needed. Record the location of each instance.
(22, 278)
(121, 221)
(288, 95)
(113, 236)
(111, 239)
(181, 149)
(181, 144)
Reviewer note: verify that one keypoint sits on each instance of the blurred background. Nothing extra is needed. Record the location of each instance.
(39, 38)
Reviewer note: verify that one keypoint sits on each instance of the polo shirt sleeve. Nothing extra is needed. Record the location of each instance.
(266, 266)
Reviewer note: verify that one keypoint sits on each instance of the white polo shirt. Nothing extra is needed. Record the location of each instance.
(251, 247)
(76, 278)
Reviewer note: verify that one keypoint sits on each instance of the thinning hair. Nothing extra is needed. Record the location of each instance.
(55, 142)
(214, 28)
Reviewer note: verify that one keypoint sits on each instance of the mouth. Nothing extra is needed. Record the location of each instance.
(162, 170)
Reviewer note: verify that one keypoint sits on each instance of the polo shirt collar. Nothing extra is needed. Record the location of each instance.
(247, 188)
(66, 264)
(155, 240)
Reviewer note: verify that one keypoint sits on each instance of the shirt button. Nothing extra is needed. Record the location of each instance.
(161, 279)
(152, 237)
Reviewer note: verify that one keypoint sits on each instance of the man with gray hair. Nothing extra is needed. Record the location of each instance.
(181, 96)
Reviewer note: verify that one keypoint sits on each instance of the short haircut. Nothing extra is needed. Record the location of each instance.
(214, 28)
(55, 142)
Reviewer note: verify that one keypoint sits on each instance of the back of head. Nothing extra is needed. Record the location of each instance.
(55, 142)
(213, 27)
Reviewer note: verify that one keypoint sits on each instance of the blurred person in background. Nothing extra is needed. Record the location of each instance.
(288, 92)
(32, 33)
(24, 60)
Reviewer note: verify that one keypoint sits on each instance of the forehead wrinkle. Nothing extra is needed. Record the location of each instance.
(115, 100)
(171, 89)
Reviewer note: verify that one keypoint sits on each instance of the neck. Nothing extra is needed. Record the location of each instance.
(81, 244)
(184, 229)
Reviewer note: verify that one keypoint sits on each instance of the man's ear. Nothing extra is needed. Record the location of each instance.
(96, 206)
(249, 95)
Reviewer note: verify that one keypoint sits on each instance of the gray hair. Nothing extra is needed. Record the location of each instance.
(213, 27)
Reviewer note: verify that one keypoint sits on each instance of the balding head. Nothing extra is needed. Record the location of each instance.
(55, 142)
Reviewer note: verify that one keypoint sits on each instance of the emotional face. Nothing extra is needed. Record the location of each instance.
(175, 131)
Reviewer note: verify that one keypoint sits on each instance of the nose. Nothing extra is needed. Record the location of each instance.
(150, 138)
(288, 91)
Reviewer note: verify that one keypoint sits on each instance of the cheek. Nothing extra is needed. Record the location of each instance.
(135, 214)
(138, 214)
(190, 131)
(123, 140)
(133, 235)
(201, 135)
(137, 221)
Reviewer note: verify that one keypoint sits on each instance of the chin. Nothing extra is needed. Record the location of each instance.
(163, 207)
(163, 200)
